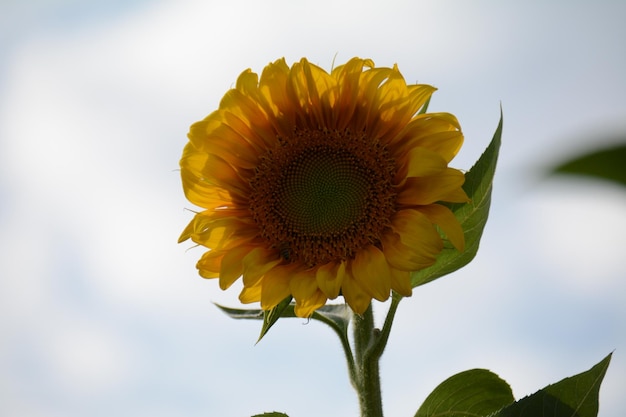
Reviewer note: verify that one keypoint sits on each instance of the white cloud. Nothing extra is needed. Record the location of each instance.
(87, 358)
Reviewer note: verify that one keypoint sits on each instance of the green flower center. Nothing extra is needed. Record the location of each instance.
(323, 191)
(321, 196)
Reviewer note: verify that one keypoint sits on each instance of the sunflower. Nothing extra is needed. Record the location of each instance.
(317, 184)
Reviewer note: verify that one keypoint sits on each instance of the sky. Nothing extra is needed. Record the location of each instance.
(102, 312)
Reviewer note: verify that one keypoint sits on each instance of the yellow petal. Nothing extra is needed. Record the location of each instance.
(302, 90)
(419, 94)
(356, 297)
(439, 132)
(445, 219)
(446, 144)
(306, 307)
(456, 196)
(247, 109)
(214, 171)
(202, 194)
(303, 284)
(231, 267)
(215, 228)
(197, 190)
(403, 257)
(371, 270)
(209, 264)
(329, 278)
(247, 81)
(304, 289)
(368, 116)
(275, 286)
(323, 87)
(417, 233)
(258, 139)
(401, 282)
(392, 99)
(273, 86)
(423, 162)
(251, 294)
(348, 78)
(428, 190)
(235, 142)
(226, 136)
(256, 263)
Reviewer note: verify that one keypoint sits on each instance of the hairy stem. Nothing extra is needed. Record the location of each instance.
(367, 381)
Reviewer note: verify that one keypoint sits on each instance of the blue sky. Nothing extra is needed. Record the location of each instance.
(102, 313)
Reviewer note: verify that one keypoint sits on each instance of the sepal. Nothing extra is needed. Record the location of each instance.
(337, 316)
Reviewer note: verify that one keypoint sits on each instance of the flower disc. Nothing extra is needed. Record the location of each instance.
(321, 196)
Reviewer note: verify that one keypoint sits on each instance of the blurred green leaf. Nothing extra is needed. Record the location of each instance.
(608, 164)
(477, 392)
(576, 396)
(272, 414)
(472, 216)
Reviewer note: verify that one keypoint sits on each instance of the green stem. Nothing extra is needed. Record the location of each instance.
(367, 381)
(378, 347)
(369, 345)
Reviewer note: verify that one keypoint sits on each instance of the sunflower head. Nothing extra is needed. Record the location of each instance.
(318, 184)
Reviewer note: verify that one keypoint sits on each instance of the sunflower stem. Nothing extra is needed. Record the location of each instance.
(378, 347)
(367, 378)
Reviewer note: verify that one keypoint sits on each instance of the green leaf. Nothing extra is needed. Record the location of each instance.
(576, 396)
(271, 316)
(337, 316)
(272, 414)
(472, 215)
(477, 392)
(608, 164)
